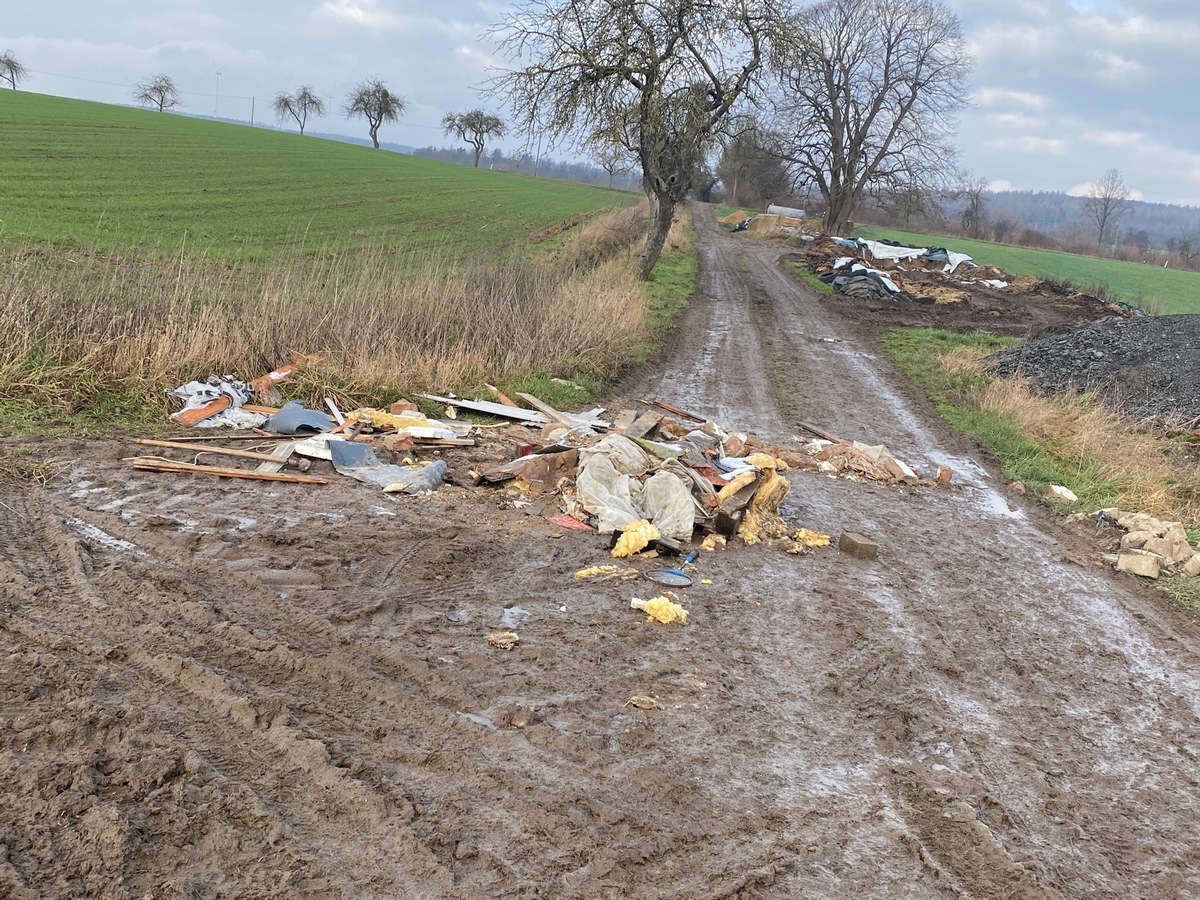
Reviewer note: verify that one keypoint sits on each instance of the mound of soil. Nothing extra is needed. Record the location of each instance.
(1026, 308)
(1146, 367)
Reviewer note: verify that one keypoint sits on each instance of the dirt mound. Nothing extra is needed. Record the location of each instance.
(1146, 366)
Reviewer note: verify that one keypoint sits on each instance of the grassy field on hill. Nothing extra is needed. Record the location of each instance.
(1154, 288)
(111, 178)
(139, 250)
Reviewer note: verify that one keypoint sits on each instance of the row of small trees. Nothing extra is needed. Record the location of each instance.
(371, 100)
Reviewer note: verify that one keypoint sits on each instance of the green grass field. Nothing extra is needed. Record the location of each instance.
(110, 178)
(1157, 289)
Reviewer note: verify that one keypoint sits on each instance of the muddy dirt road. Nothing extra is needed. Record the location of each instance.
(228, 690)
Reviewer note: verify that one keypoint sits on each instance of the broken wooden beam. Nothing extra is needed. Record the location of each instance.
(674, 409)
(218, 451)
(158, 464)
(825, 435)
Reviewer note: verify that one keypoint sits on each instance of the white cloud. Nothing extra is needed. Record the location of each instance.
(993, 97)
(1029, 144)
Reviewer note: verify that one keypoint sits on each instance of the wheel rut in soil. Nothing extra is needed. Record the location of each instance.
(212, 689)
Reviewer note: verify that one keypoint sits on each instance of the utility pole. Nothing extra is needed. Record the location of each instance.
(217, 95)
(251, 112)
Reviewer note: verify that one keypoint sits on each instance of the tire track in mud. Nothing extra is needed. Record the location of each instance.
(279, 673)
(977, 672)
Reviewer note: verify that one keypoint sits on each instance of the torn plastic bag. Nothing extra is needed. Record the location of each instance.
(668, 503)
(613, 497)
(359, 461)
(626, 456)
(293, 418)
(202, 392)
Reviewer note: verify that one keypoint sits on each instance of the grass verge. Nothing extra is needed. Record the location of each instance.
(1072, 440)
(88, 345)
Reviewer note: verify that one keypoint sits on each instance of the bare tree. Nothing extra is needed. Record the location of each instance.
(613, 158)
(665, 74)
(373, 101)
(1187, 245)
(159, 92)
(474, 127)
(974, 214)
(869, 95)
(12, 70)
(298, 106)
(752, 176)
(1106, 204)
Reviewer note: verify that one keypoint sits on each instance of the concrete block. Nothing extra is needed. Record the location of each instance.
(1191, 568)
(1060, 492)
(1139, 564)
(1172, 549)
(1136, 540)
(900, 470)
(858, 546)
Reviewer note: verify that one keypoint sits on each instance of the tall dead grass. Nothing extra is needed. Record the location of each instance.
(72, 328)
(1151, 476)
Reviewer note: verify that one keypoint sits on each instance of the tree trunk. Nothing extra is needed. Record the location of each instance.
(375, 137)
(660, 224)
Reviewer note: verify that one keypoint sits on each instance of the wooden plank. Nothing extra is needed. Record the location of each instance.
(219, 451)
(157, 464)
(277, 457)
(623, 420)
(501, 396)
(644, 424)
(494, 409)
(825, 434)
(674, 410)
(547, 410)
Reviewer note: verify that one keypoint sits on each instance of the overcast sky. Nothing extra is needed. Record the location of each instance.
(1063, 89)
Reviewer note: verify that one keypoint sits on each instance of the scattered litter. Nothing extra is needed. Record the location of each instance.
(712, 542)
(359, 461)
(603, 572)
(1149, 547)
(503, 640)
(661, 609)
(642, 702)
(636, 537)
(294, 418)
(1062, 493)
(805, 540)
(571, 523)
(671, 577)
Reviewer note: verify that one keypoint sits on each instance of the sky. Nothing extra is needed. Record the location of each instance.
(1062, 91)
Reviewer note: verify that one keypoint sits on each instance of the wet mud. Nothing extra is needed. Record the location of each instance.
(213, 689)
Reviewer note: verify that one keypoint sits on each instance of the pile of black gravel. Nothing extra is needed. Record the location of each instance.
(1146, 367)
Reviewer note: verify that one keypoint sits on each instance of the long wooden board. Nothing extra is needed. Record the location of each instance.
(157, 464)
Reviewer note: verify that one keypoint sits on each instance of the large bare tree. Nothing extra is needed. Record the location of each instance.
(663, 75)
(12, 69)
(298, 106)
(868, 99)
(1106, 204)
(475, 127)
(373, 101)
(159, 92)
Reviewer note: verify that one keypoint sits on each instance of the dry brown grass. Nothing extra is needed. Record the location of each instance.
(73, 328)
(1151, 474)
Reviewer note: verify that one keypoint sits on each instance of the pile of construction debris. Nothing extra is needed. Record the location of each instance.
(1150, 547)
(651, 478)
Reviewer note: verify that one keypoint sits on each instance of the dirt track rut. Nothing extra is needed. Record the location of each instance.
(219, 690)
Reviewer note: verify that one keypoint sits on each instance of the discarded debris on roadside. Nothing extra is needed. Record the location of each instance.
(650, 480)
(1149, 547)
